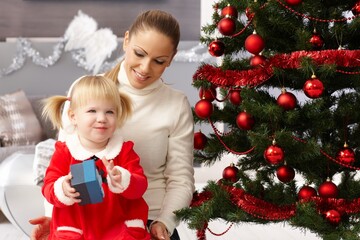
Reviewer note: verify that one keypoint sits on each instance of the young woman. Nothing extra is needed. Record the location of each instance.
(119, 212)
(161, 125)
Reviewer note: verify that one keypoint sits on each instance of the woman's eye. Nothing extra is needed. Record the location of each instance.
(159, 62)
(139, 54)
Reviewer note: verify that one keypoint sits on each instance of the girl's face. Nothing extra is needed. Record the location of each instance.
(95, 123)
(147, 54)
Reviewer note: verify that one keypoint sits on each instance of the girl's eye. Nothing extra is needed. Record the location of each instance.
(92, 111)
(110, 112)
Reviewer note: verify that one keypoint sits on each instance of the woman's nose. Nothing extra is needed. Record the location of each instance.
(145, 66)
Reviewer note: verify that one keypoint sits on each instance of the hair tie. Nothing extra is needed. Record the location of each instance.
(68, 98)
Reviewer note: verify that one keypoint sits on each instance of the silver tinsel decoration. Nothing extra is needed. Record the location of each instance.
(89, 48)
(24, 49)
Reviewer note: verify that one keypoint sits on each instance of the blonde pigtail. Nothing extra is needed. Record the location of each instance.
(126, 108)
(52, 110)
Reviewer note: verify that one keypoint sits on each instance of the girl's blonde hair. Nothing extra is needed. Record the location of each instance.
(85, 89)
(157, 20)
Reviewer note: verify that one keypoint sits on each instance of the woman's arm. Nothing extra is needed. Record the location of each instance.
(179, 171)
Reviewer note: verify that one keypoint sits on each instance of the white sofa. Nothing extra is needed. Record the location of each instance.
(20, 196)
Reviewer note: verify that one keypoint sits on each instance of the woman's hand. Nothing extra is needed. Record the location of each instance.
(158, 231)
(113, 173)
(69, 191)
(41, 230)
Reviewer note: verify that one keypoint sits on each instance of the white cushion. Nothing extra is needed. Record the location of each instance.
(20, 198)
(43, 153)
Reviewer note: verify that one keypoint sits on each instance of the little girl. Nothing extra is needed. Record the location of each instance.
(96, 112)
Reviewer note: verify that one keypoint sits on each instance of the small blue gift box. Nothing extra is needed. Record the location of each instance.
(87, 181)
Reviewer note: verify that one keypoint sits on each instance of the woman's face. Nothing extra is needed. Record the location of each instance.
(147, 54)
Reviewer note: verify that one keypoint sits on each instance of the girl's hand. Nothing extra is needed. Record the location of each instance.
(113, 173)
(158, 231)
(69, 191)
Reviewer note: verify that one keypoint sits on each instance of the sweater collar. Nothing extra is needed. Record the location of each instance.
(127, 87)
(78, 152)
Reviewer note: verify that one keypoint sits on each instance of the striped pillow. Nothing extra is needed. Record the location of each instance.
(18, 122)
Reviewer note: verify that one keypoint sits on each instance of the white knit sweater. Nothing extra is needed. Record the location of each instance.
(162, 129)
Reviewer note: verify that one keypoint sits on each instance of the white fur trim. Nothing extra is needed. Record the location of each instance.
(112, 149)
(48, 208)
(70, 229)
(125, 180)
(135, 223)
(59, 193)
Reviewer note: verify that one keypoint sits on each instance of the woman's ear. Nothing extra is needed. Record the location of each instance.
(126, 40)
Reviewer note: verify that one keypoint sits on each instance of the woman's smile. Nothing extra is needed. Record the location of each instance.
(139, 76)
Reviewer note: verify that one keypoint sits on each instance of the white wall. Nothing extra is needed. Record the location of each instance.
(213, 172)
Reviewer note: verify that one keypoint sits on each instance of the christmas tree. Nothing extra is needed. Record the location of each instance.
(287, 87)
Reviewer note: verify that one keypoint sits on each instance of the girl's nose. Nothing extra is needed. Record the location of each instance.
(101, 117)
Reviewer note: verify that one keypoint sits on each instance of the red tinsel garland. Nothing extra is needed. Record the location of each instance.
(201, 232)
(257, 76)
(268, 211)
(260, 208)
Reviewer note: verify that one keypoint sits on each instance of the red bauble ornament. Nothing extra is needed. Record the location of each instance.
(346, 155)
(313, 88)
(293, 2)
(208, 94)
(230, 173)
(235, 96)
(356, 9)
(254, 43)
(203, 108)
(287, 100)
(249, 13)
(227, 26)
(274, 154)
(229, 11)
(306, 192)
(257, 60)
(285, 173)
(216, 48)
(317, 42)
(200, 140)
(328, 189)
(245, 121)
(333, 216)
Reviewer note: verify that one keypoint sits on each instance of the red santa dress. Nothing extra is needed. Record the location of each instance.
(123, 213)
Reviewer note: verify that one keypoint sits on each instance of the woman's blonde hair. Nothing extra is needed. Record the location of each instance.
(157, 20)
(85, 89)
